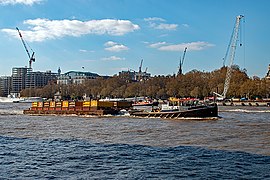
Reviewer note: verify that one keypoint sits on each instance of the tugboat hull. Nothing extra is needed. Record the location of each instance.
(194, 112)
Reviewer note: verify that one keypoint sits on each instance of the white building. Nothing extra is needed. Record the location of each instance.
(75, 77)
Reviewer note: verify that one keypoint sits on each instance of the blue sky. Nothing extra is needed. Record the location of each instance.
(108, 36)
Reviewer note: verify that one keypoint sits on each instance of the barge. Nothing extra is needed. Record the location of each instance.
(93, 107)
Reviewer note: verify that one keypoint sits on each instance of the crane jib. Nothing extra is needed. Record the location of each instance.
(31, 58)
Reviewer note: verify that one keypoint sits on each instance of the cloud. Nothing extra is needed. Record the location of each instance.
(115, 47)
(166, 26)
(158, 23)
(44, 29)
(112, 58)
(85, 51)
(154, 19)
(185, 25)
(157, 45)
(192, 46)
(13, 2)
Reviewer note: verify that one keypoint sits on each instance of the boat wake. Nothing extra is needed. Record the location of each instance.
(10, 112)
(248, 111)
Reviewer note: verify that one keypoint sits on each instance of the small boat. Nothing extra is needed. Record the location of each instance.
(28, 100)
(190, 110)
(9, 99)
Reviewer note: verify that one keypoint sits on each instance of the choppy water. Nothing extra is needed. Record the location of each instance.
(70, 147)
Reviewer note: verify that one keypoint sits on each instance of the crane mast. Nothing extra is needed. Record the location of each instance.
(140, 67)
(233, 44)
(180, 71)
(31, 57)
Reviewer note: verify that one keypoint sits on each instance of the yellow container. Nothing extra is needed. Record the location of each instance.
(58, 104)
(46, 104)
(105, 104)
(87, 103)
(94, 103)
(34, 104)
(52, 104)
(65, 104)
(71, 104)
(40, 104)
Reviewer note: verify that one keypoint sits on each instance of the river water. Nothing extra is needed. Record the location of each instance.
(70, 147)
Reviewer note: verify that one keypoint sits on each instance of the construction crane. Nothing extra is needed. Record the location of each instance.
(231, 49)
(140, 67)
(31, 57)
(180, 72)
(140, 71)
(146, 69)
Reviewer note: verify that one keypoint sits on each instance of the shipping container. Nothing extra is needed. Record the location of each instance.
(87, 103)
(65, 104)
(58, 106)
(94, 103)
(71, 104)
(79, 103)
(40, 104)
(105, 104)
(34, 104)
(46, 104)
(52, 104)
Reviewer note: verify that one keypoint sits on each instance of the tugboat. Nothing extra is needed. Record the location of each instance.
(185, 109)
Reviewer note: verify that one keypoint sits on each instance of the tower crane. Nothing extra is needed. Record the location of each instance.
(31, 57)
(140, 71)
(232, 49)
(180, 72)
(140, 67)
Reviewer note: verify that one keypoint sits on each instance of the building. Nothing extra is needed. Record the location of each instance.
(19, 78)
(134, 76)
(40, 79)
(75, 77)
(23, 77)
(5, 85)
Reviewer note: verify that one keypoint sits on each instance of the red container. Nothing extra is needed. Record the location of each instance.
(78, 108)
(86, 108)
(71, 108)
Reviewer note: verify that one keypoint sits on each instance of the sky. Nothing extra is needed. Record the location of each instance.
(109, 36)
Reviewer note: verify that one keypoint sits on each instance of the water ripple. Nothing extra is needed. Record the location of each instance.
(23, 158)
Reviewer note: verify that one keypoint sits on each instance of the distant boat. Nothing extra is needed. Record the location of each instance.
(8, 99)
(28, 100)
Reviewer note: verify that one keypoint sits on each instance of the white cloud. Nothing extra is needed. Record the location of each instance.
(115, 47)
(85, 51)
(43, 29)
(154, 19)
(13, 2)
(166, 26)
(192, 46)
(185, 25)
(112, 58)
(157, 45)
(157, 23)
(110, 43)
